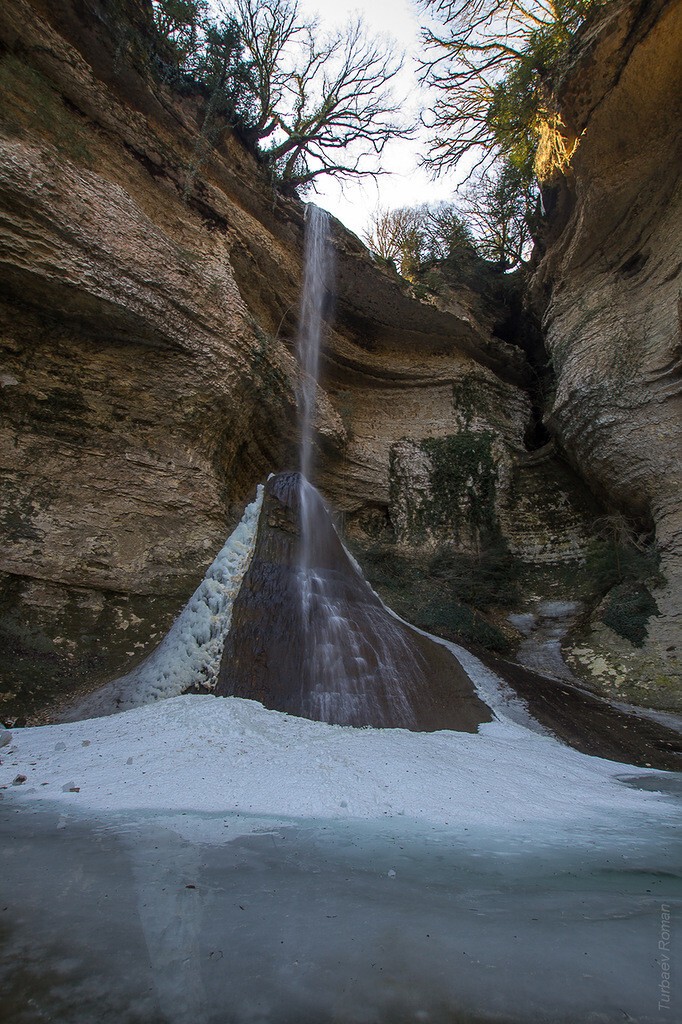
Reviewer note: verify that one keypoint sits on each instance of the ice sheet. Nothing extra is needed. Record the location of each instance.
(218, 754)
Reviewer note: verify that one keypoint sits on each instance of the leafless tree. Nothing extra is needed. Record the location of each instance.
(390, 232)
(324, 102)
(410, 235)
(477, 44)
(497, 205)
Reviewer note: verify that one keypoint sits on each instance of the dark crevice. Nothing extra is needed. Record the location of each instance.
(634, 265)
(156, 170)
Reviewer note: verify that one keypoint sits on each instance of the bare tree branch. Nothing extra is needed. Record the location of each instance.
(480, 44)
(318, 94)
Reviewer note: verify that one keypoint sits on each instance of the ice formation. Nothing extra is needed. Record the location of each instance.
(232, 756)
(189, 654)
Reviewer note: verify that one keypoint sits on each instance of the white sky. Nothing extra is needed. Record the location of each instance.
(407, 184)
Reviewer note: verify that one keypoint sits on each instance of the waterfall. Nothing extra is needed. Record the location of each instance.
(347, 660)
(349, 678)
(316, 286)
(284, 615)
(316, 283)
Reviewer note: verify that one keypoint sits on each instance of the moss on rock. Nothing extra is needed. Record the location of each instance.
(463, 479)
(627, 610)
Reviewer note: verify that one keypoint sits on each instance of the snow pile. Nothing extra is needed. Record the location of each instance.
(232, 756)
(190, 652)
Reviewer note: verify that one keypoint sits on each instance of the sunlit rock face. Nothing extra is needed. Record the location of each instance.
(317, 641)
(609, 286)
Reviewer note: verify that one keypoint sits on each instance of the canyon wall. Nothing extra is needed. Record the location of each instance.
(608, 288)
(148, 296)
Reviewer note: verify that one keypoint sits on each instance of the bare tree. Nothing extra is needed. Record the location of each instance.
(447, 235)
(480, 45)
(268, 31)
(325, 103)
(496, 205)
(392, 232)
(411, 235)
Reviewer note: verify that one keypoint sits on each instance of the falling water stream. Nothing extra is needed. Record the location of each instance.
(316, 284)
(365, 670)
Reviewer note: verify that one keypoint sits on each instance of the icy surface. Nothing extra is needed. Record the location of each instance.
(190, 652)
(231, 755)
(325, 923)
(203, 860)
(543, 630)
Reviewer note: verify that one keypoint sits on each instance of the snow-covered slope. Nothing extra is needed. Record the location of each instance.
(227, 755)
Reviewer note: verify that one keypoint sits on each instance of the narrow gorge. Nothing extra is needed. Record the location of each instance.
(339, 594)
(501, 450)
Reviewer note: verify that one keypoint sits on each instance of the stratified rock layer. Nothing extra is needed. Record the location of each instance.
(319, 643)
(148, 304)
(609, 285)
(148, 309)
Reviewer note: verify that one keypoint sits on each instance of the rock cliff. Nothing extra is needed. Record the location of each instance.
(608, 289)
(149, 305)
(148, 296)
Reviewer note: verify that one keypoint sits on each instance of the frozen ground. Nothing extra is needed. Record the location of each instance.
(202, 860)
(214, 754)
(543, 629)
(205, 861)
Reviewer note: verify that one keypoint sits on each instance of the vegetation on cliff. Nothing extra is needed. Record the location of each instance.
(309, 103)
(412, 236)
(491, 65)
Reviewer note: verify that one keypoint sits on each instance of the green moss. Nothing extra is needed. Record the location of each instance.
(449, 595)
(68, 640)
(620, 574)
(463, 480)
(611, 562)
(32, 106)
(627, 611)
(463, 401)
(267, 378)
(458, 622)
(490, 579)
(421, 291)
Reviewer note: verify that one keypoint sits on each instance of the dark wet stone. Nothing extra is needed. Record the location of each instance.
(591, 723)
(330, 650)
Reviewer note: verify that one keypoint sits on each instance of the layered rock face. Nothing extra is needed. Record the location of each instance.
(149, 295)
(316, 640)
(609, 286)
(138, 405)
(149, 305)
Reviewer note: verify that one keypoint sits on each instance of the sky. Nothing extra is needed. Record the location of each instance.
(406, 184)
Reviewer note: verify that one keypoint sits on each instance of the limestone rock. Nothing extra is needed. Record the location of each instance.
(148, 316)
(318, 642)
(147, 326)
(609, 287)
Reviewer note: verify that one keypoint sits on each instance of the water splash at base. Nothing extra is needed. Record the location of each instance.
(319, 643)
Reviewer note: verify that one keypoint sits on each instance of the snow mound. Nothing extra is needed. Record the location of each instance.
(190, 652)
(232, 756)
